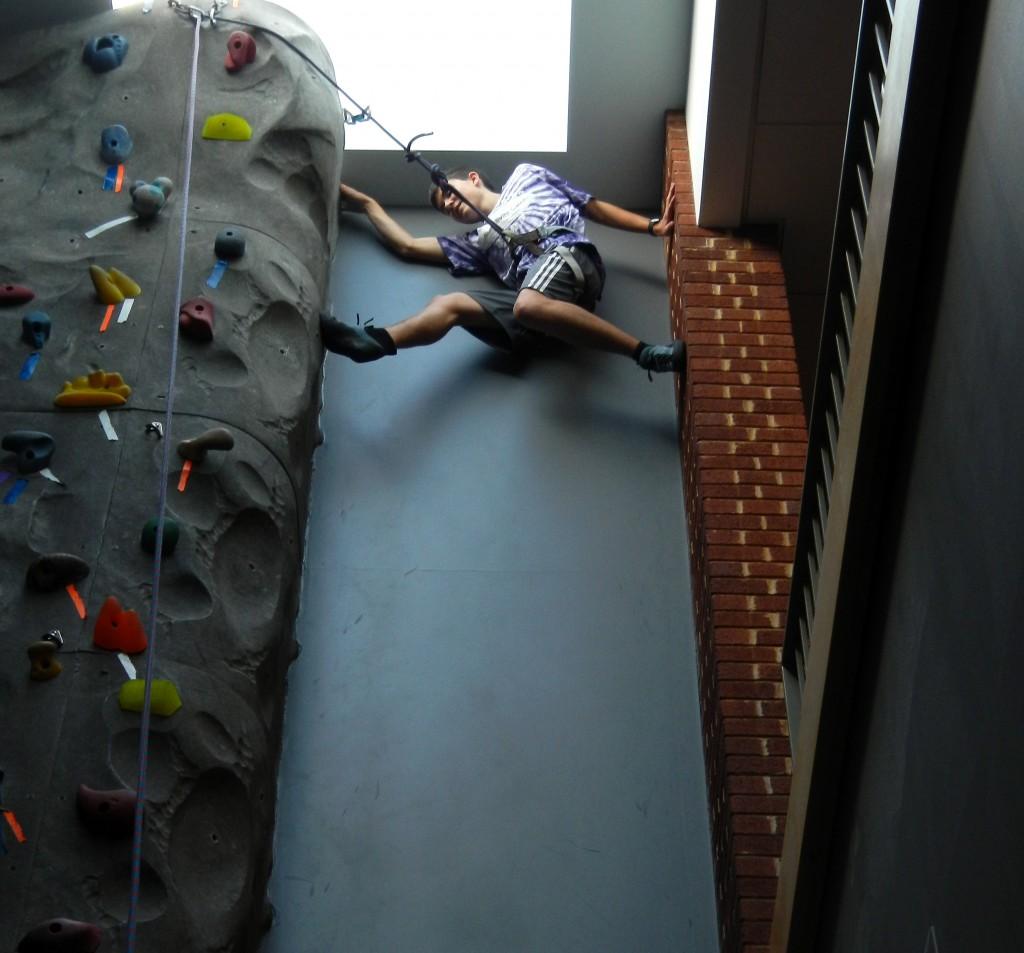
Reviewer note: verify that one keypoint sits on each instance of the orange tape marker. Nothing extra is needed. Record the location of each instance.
(108, 314)
(185, 471)
(119, 181)
(76, 599)
(12, 823)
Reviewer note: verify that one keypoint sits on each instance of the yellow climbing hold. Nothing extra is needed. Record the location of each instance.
(113, 286)
(106, 290)
(127, 287)
(227, 126)
(163, 697)
(98, 389)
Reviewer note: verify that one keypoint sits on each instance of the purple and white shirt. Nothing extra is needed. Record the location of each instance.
(533, 196)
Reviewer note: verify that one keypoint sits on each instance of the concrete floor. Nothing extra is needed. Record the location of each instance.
(492, 739)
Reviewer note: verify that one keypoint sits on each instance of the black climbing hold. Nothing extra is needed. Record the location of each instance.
(104, 53)
(170, 540)
(230, 244)
(110, 813)
(62, 936)
(55, 571)
(115, 144)
(34, 449)
(35, 329)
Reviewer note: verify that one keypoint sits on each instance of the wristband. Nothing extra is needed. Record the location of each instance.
(651, 224)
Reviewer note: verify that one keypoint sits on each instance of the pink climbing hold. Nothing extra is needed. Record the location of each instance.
(62, 936)
(241, 51)
(195, 320)
(110, 813)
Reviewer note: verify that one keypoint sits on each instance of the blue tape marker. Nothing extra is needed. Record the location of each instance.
(217, 273)
(29, 367)
(15, 491)
(110, 179)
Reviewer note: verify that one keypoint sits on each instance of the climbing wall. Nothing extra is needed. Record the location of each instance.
(229, 590)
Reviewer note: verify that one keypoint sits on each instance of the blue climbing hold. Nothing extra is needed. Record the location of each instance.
(115, 144)
(35, 329)
(104, 53)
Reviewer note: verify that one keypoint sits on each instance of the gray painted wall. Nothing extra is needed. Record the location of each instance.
(933, 822)
(629, 63)
(16, 15)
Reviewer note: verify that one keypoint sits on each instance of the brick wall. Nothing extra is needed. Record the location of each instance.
(744, 439)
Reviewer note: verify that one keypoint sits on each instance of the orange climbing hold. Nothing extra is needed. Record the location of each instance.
(119, 630)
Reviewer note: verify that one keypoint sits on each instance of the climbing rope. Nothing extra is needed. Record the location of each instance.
(165, 467)
(363, 114)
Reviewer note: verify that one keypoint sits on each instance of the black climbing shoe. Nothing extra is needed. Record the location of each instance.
(361, 344)
(658, 358)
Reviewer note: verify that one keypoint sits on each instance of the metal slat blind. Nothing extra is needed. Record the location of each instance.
(840, 313)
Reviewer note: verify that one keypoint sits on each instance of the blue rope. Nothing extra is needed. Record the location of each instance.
(165, 467)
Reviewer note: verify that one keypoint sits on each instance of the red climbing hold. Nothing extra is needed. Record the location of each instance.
(241, 50)
(11, 295)
(62, 936)
(195, 320)
(119, 630)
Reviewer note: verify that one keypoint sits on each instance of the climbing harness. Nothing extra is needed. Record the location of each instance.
(530, 241)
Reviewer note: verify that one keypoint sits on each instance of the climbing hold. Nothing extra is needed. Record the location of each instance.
(170, 540)
(55, 571)
(164, 698)
(62, 936)
(97, 389)
(229, 244)
(195, 449)
(43, 658)
(149, 197)
(15, 294)
(241, 51)
(111, 813)
(195, 320)
(227, 126)
(104, 53)
(119, 630)
(34, 449)
(106, 289)
(115, 144)
(35, 329)
(127, 286)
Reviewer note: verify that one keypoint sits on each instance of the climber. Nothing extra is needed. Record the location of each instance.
(532, 239)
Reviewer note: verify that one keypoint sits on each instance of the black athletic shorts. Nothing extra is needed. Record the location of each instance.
(554, 278)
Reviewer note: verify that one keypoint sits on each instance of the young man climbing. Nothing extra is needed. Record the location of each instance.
(552, 272)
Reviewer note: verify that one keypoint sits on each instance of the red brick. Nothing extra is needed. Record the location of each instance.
(755, 931)
(756, 886)
(758, 804)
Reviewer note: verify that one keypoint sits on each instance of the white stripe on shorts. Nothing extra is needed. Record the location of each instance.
(546, 272)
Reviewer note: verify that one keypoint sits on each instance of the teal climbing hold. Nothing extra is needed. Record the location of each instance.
(170, 540)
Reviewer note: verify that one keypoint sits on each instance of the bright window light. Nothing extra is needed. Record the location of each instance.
(487, 76)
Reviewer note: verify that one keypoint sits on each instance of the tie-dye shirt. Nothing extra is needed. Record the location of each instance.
(532, 197)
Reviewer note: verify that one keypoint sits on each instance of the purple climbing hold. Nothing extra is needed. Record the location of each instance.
(15, 294)
(241, 51)
(195, 320)
(110, 813)
(55, 571)
(62, 936)
(104, 53)
(33, 448)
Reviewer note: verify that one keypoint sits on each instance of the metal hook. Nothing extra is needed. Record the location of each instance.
(409, 154)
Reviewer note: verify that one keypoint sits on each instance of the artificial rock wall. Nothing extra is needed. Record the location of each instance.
(744, 441)
(229, 591)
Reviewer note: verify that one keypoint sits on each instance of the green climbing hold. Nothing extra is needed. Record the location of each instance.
(171, 535)
(164, 698)
(227, 126)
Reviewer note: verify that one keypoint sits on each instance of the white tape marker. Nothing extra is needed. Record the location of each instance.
(126, 309)
(127, 664)
(49, 474)
(113, 223)
(108, 427)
